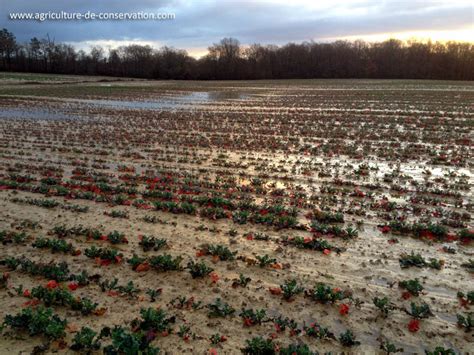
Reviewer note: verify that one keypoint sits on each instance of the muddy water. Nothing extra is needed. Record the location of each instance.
(185, 101)
(171, 102)
(37, 114)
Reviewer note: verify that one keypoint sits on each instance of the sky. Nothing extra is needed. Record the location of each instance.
(199, 23)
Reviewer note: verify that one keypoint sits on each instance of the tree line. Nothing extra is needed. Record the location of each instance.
(391, 59)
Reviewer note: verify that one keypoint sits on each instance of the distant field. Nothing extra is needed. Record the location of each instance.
(319, 215)
(22, 77)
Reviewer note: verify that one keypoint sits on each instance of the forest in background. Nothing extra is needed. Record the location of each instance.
(228, 59)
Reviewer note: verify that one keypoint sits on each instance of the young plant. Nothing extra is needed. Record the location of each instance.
(296, 349)
(85, 340)
(7, 237)
(156, 320)
(199, 269)
(104, 254)
(407, 260)
(466, 299)
(117, 214)
(217, 339)
(348, 339)
(318, 331)
(151, 243)
(389, 348)
(412, 286)
(421, 311)
(258, 345)
(218, 251)
(242, 281)
(58, 272)
(290, 289)
(61, 297)
(82, 279)
(54, 244)
(465, 321)
(166, 262)
(185, 332)
(323, 293)
(129, 289)
(439, 350)
(383, 304)
(265, 260)
(135, 261)
(153, 293)
(38, 321)
(126, 342)
(252, 317)
(219, 309)
(311, 244)
(117, 238)
(328, 217)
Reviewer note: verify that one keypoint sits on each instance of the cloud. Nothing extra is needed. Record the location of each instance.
(200, 23)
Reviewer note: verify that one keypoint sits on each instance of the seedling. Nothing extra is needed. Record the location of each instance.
(439, 350)
(217, 250)
(103, 253)
(265, 260)
(151, 243)
(242, 281)
(116, 238)
(258, 345)
(389, 348)
(252, 317)
(85, 340)
(412, 286)
(54, 244)
(319, 332)
(166, 262)
(348, 339)
(296, 349)
(421, 311)
(219, 309)
(126, 342)
(156, 320)
(217, 339)
(38, 321)
(290, 289)
(153, 293)
(384, 305)
(199, 269)
(185, 332)
(323, 293)
(466, 321)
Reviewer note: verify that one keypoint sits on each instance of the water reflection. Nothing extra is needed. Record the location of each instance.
(172, 102)
(37, 114)
(185, 101)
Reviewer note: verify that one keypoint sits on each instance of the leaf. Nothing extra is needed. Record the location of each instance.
(100, 311)
(275, 290)
(143, 267)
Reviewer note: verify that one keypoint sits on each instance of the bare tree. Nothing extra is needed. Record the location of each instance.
(227, 59)
(8, 46)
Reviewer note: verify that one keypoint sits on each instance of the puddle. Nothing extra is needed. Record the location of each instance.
(37, 114)
(172, 102)
(187, 101)
(441, 290)
(451, 318)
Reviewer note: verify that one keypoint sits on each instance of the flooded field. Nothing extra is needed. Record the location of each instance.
(211, 217)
